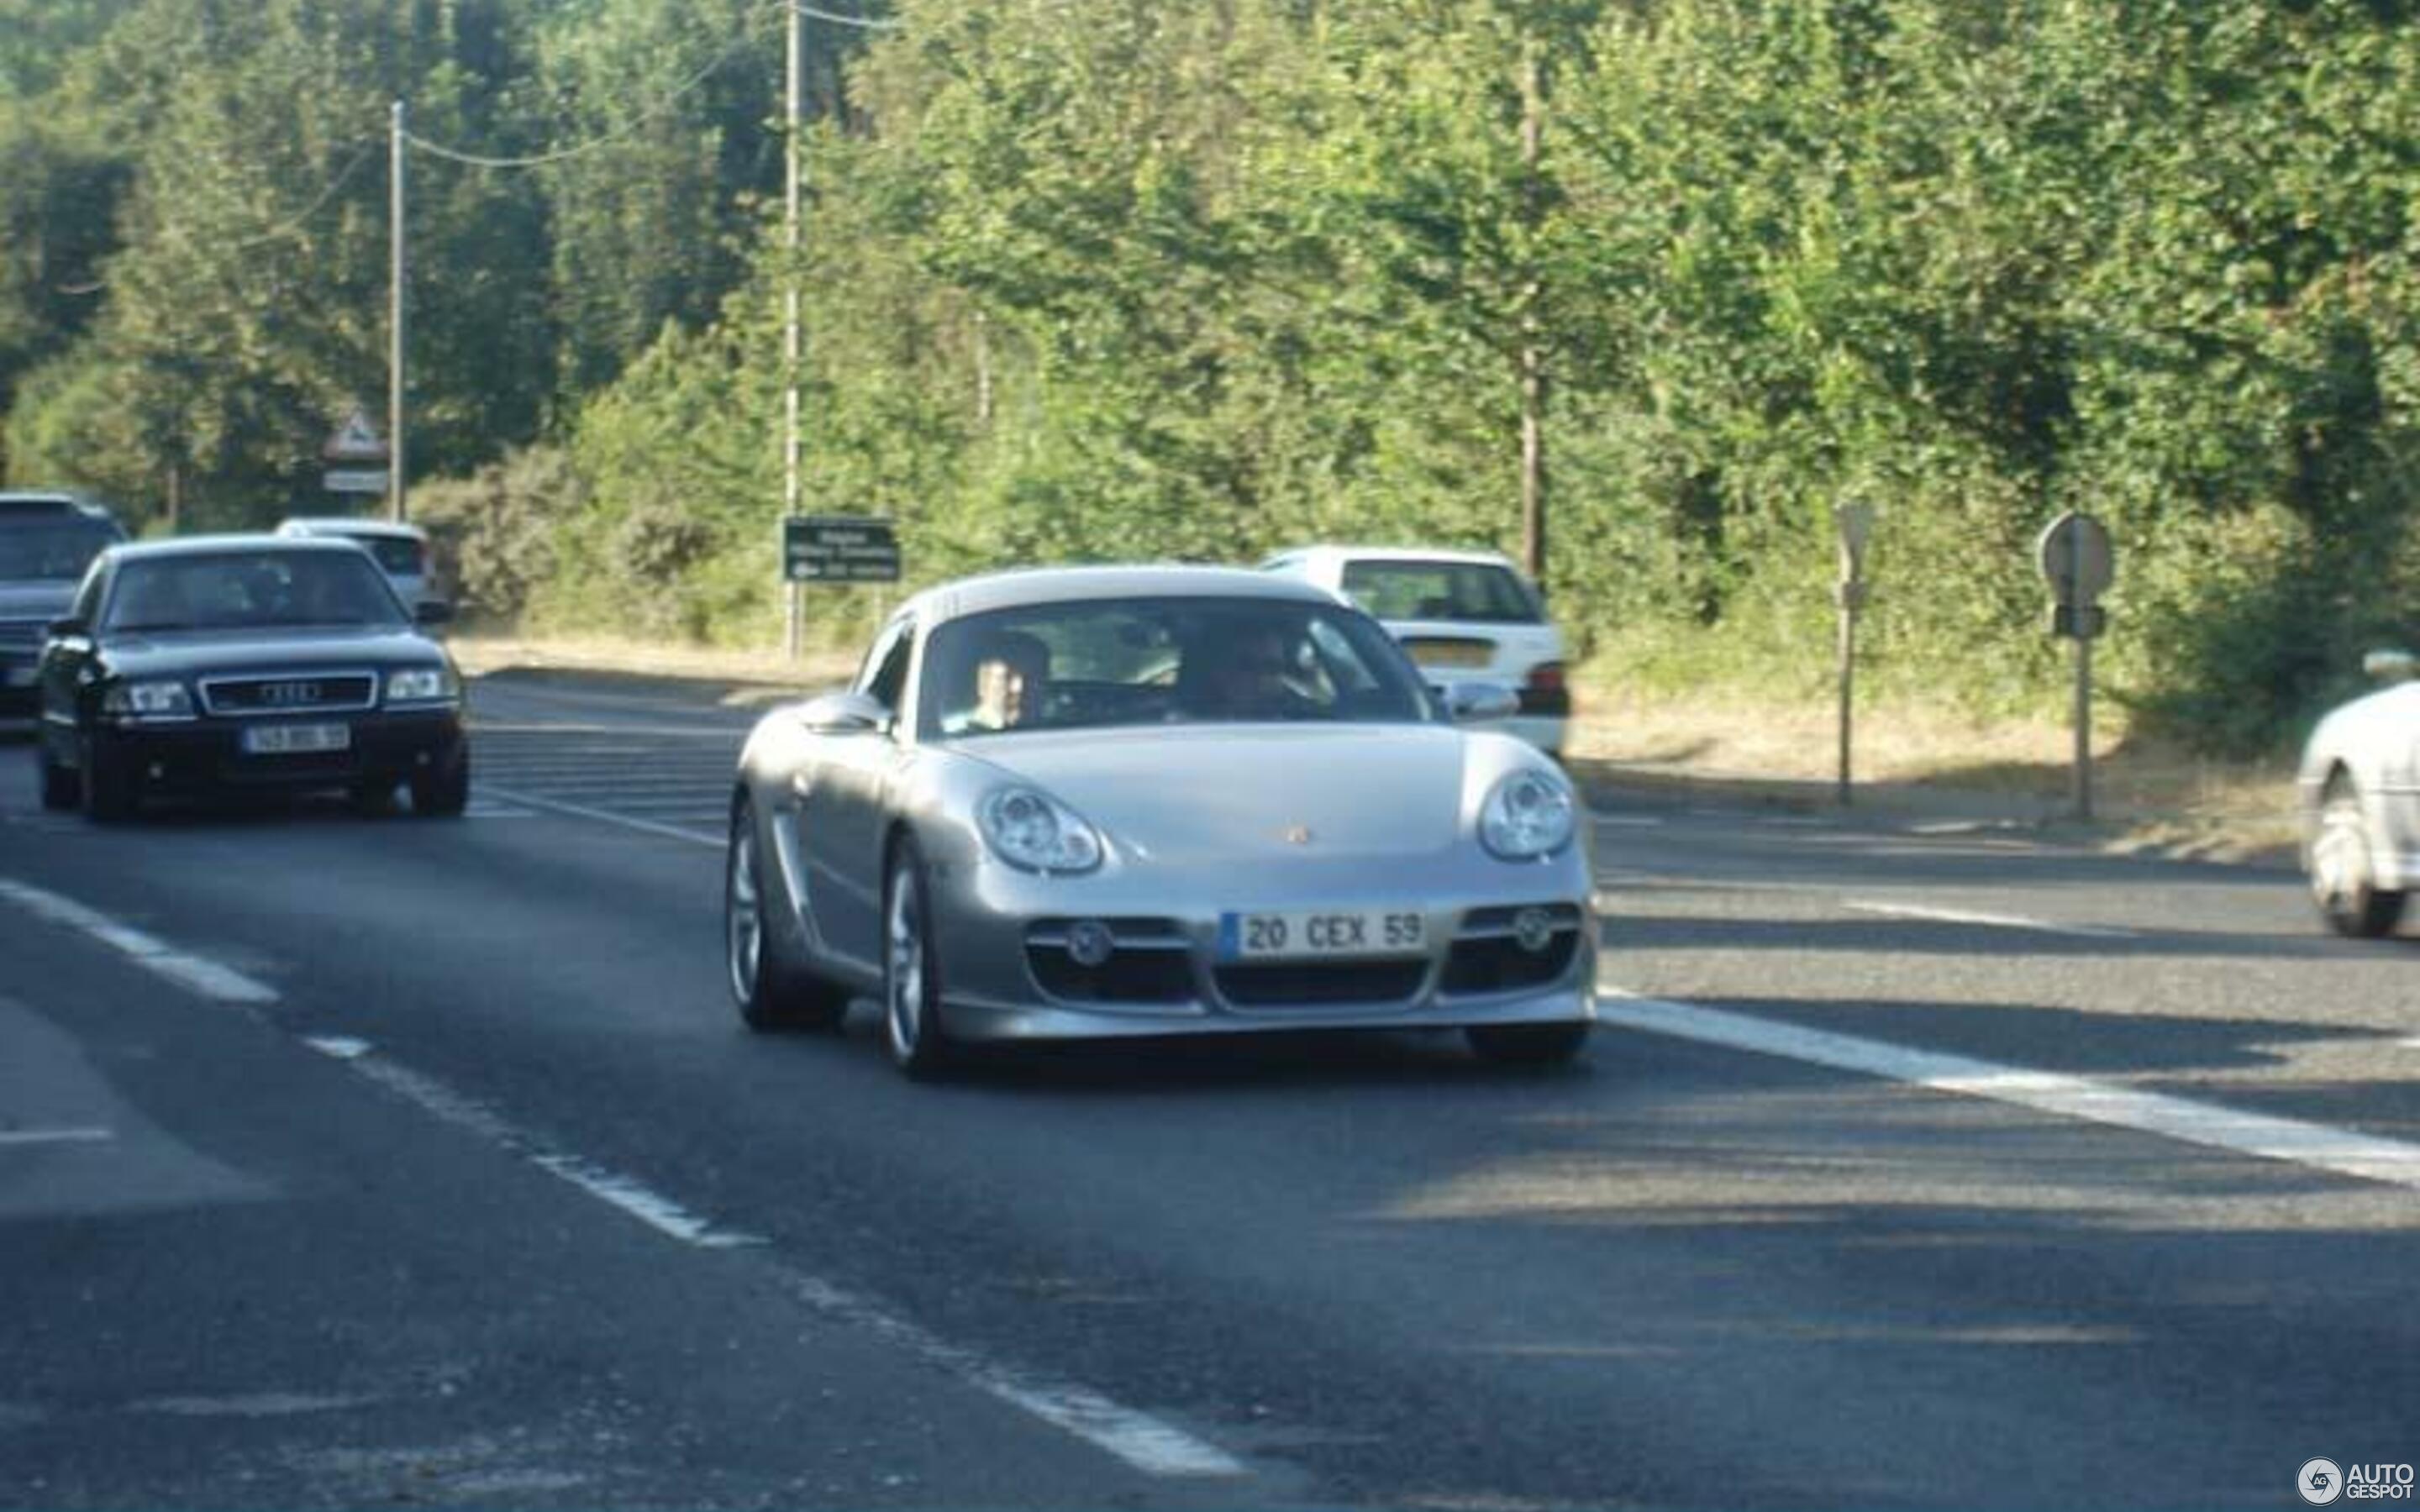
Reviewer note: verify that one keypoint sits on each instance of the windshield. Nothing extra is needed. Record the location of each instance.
(50, 552)
(242, 589)
(1469, 591)
(1106, 662)
(400, 555)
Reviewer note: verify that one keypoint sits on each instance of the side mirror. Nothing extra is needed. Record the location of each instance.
(2391, 666)
(432, 611)
(845, 713)
(1467, 702)
(61, 629)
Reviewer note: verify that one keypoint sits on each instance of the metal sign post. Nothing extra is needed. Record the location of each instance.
(1856, 524)
(2077, 560)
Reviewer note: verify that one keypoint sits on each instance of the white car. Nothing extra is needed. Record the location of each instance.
(401, 550)
(1468, 616)
(2360, 790)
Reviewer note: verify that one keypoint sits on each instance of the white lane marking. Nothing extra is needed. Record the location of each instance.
(53, 1137)
(261, 1405)
(202, 974)
(603, 817)
(2316, 1146)
(1137, 1438)
(656, 1211)
(1967, 915)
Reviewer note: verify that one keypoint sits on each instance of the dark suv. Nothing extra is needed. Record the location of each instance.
(47, 540)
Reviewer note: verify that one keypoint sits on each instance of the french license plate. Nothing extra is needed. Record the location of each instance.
(296, 739)
(1321, 933)
(1451, 652)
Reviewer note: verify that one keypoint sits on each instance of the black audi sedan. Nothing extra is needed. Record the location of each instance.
(239, 663)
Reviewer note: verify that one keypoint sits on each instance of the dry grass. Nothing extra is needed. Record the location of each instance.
(481, 652)
(2150, 791)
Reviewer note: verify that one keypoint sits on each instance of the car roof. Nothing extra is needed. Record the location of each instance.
(50, 503)
(1397, 553)
(205, 545)
(1052, 585)
(348, 525)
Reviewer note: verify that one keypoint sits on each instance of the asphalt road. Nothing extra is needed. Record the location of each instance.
(353, 1161)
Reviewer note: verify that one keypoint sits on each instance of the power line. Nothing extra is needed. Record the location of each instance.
(868, 22)
(296, 223)
(607, 138)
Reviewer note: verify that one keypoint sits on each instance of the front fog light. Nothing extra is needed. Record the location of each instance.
(1089, 943)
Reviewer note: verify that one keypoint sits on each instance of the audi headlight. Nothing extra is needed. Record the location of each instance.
(421, 685)
(1035, 832)
(148, 701)
(1526, 815)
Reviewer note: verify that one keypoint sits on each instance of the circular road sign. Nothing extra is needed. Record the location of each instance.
(2076, 557)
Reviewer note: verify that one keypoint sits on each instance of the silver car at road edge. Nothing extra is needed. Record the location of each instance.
(2360, 789)
(1105, 802)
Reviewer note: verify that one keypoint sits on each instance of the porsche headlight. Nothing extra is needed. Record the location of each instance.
(1035, 832)
(1526, 815)
(421, 685)
(148, 701)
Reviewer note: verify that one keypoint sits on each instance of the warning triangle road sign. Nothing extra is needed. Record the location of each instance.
(355, 440)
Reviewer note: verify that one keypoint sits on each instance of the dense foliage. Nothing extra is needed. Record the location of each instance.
(1095, 278)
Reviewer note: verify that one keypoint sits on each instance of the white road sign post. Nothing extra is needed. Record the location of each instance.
(1856, 524)
(2079, 563)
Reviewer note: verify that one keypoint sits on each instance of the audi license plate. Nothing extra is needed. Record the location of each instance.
(296, 739)
(1321, 933)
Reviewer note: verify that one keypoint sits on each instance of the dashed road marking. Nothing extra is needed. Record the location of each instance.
(1144, 1442)
(12, 1137)
(580, 810)
(2315, 1146)
(196, 973)
(1965, 916)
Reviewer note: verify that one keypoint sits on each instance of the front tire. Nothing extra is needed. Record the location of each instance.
(773, 993)
(1527, 1044)
(2344, 872)
(911, 981)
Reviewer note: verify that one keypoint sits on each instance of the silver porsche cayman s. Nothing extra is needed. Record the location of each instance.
(1095, 802)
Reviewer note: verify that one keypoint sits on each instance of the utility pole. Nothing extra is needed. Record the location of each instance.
(793, 238)
(394, 154)
(1532, 359)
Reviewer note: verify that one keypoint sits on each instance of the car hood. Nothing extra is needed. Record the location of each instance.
(36, 599)
(175, 653)
(1194, 792)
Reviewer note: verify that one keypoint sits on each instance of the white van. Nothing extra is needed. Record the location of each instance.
(402, 550)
